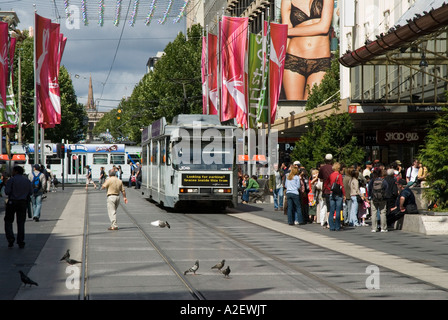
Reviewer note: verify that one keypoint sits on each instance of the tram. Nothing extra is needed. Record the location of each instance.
(78, 156)
(189, 161)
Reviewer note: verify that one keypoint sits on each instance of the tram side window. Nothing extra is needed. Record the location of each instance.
(117, 159)
(100, 159)
(134, 158)
(53, 159)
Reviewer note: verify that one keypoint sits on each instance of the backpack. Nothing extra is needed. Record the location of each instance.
(378, 193)
(37, 184)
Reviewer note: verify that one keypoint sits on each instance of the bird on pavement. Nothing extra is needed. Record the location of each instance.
(161, 224)
(219, 265)
(226, 272)
(66, 255)
(72, 261)
(27, 280)
(194, 268)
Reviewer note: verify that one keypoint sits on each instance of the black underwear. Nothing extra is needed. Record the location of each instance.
(306, 67)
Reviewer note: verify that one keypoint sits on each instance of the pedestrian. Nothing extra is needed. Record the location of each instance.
(377, 192)
(114, 187)
(133, 168)
(4, 201)
(337, 196)
(252, 186)
(412, 173)
(102, 176)
(313, 196)
(303, 193)
(392, 190)
(368, 169)
(347, 205)
(138, 176)
(354, 195)
(363, 207)
(39, 182)
(324, 174)
(19, 189)
(89, 178)
(276, 187)
(49, 178)
(119, 173)
(405, 203)
(292, 184)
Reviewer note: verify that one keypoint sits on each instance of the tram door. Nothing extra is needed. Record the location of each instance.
(75, 168)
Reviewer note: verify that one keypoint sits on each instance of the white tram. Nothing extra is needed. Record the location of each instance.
(95, 155)
(189, 161)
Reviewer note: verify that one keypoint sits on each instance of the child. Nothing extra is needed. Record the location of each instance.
(364, 207)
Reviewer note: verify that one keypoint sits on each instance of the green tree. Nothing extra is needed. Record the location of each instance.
(332, 134)
(173, 87)
(434, 156)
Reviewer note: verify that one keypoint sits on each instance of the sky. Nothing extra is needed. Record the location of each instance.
(114, 56)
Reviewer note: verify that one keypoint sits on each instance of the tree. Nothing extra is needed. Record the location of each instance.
(172, 88)
(434, 156)
(329, 135)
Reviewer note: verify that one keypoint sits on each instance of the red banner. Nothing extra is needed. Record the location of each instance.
(43, 31)
(49, 46)
(279, 34)
(210, 73)
(4, 64)
(233, 48)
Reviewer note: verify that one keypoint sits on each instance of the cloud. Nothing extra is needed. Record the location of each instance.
(92, 50)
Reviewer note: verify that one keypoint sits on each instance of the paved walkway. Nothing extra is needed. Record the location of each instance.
(62, 222)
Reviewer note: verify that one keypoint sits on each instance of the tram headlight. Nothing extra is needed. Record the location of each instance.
(188, 190)
(222, 190)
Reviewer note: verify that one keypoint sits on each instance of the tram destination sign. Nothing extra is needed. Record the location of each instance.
(199, 179)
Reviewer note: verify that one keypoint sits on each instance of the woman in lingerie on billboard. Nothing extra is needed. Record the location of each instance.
(308, 50)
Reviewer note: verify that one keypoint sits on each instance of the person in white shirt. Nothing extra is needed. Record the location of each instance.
(412, 173)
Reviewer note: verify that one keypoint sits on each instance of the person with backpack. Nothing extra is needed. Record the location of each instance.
(38, 182)
(377, 193)
(18, 188)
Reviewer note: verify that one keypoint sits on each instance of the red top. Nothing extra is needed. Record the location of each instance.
(332, 179)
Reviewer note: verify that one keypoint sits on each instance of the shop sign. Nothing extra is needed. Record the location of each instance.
(397, 136)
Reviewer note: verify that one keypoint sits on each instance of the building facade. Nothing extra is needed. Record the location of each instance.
(393, 69)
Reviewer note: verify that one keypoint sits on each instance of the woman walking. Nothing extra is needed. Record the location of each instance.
(292, 184)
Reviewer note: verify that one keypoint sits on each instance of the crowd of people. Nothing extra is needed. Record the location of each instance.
(336, 195)
(135, 176)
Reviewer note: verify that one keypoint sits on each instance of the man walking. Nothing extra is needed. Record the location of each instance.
(114, 186)
(19, 189)
(38, 182)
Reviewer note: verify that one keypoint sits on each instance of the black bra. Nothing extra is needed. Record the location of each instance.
(298, 16)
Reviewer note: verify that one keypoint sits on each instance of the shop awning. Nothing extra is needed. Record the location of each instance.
(425, 17)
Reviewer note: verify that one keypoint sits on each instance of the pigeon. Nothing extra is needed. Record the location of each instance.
(27, 280)
(66, 255)
(161, 224)
(194, 268)
(72, 261)
(219, 265)
(226, 272)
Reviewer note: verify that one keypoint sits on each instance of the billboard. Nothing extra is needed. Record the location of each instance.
(312, 36)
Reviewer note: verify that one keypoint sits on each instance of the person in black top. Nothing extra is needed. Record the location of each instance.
(19, 189)
(405, 203)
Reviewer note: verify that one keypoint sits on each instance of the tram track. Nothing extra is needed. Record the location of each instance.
(273, 257)
(230, 236)
(84, 295)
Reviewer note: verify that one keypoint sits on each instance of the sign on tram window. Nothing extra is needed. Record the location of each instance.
(205, 179)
